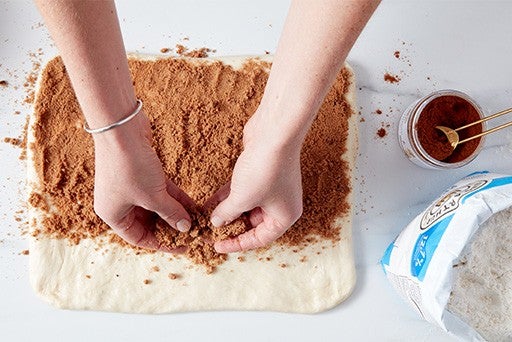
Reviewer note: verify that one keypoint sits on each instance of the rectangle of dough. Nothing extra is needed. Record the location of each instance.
(112, 278)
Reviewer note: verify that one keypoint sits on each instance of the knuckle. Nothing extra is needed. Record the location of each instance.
(245, 241)
(172, 214)
(143, 237)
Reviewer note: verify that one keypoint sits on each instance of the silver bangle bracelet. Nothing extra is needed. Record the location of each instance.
(115, 124)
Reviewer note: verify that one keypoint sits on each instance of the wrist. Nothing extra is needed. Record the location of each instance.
(263, 133)
(279, 126)
(124, 137)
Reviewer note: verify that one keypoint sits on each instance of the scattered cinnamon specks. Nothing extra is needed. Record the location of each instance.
(88, 276)
(155, 269)
(25, 252)
(283, 265)
(241, 258)
(165, 50)
(378, 111)
(303, 258)
(147, 281)
(396, 54)
(4, 83)
(391, 78)
(381, 132)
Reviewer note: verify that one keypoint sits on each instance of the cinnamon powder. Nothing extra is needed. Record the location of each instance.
(450, 111)
(197, 113)
(391, 78)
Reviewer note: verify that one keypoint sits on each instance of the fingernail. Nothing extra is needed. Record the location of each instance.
(217, 221)
(183, 225)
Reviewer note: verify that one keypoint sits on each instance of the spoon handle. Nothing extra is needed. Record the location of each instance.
(487, 132)
(503, 112)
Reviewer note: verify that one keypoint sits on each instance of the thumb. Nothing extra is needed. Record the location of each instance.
(226, 212)
(171, 211)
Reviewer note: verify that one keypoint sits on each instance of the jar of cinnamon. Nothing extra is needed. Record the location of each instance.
(427, 146)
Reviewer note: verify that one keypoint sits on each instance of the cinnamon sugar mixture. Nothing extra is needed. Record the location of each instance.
(197, 111)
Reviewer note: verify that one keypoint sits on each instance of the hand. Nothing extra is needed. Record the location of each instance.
(266, 182)
(130, 185)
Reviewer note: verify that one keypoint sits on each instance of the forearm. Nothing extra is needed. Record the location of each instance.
(316, 39)
(89, 39)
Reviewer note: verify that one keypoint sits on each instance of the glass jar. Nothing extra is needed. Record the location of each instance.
(408, 133)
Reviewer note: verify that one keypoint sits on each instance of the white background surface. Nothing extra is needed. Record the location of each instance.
(457, 44)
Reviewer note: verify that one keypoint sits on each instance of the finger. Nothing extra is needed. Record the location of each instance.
(171, 211)
(148, 220)
(219, 196)
(134, 230)
(256, 216)
(180, 195)
(266, 232)
(226, 212)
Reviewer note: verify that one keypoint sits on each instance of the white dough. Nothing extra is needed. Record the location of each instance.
(58, 271)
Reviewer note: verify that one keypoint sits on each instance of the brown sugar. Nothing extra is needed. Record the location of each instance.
(31, 78)
(196, 53)
(180, 49)
(36, 200)
(13, 141)
(174, 276)
(197, 113)
(199, 240)
(20, 142)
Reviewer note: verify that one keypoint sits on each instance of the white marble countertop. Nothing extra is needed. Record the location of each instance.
(443, 44)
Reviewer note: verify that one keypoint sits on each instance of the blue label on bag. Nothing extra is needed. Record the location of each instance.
(425, 247)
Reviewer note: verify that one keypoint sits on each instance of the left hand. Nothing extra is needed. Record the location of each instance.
(266, 182)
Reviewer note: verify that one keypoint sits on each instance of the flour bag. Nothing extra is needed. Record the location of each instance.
(453, 262)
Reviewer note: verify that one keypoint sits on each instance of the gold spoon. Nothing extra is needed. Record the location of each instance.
(453, 136)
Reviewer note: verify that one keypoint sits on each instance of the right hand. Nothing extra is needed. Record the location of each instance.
(266, 184)
(130, 185)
